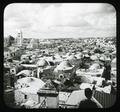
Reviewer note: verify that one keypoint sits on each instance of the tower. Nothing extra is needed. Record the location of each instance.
(19, 38)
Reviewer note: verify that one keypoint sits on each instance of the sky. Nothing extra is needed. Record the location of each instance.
(60, 20)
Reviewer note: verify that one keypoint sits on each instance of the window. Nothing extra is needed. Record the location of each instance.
(25, 96)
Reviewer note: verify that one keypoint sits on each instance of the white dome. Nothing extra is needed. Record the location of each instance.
(64, 65)
(94, 57)
(114, 60)
(42, 63)
(108, 59)
(25, 72)
(94, 66)
(114, 52)
(79, 56)
(102, 58)
(85, 51)
(71, 57)
(86, 55)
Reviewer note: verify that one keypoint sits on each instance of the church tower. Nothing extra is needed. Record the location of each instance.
(19, 38)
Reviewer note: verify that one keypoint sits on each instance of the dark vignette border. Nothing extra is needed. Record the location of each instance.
(4, 3)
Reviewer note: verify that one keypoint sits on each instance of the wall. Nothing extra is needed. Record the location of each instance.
(20, 97)
(52, 102)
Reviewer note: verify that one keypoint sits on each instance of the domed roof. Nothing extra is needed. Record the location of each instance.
(71, 57)
(33, 56)
(102, 58)
(86, 55)
(42, 63)
(32, 82)
(79, 56)
(25, 72)
(114, 60)
(58, 56)
(94, 57)
(108, 59)
(94, 66)
(85, 51)
(64, 65)
(114, 52)
(68, 54)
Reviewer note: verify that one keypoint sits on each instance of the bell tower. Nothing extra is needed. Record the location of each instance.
(19, 38)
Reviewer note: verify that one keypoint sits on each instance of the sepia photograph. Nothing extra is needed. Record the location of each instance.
(60, 55)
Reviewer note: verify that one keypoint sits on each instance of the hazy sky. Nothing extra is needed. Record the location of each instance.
(59, 20)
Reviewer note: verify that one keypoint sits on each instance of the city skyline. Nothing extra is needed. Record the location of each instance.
(60, 20)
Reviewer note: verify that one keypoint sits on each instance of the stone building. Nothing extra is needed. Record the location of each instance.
(64, 71)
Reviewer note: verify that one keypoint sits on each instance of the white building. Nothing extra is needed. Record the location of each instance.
(27, 88)
(44, 69)
(19, 38)
(64, 71)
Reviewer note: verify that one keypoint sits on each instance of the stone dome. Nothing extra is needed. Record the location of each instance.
(42, 63)
(94, 66)
(72, 57)
(64, 65)
(79, 55)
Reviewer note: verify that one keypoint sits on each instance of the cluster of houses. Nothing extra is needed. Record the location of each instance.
(58, 80)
